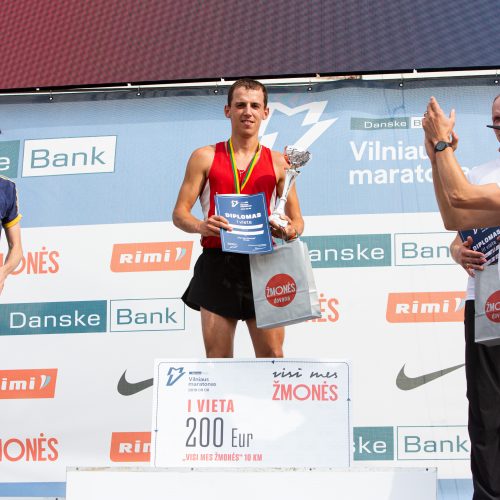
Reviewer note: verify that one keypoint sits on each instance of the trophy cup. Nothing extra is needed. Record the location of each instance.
(297, 159)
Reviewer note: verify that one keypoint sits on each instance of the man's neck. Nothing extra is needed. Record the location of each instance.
(244, 144)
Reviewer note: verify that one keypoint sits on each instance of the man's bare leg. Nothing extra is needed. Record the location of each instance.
(267, 342)
(218, 334)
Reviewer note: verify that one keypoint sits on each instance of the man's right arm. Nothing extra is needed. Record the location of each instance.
(448, 215)
(194, 180)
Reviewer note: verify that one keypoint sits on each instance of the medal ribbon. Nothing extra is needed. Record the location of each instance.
(236, 176)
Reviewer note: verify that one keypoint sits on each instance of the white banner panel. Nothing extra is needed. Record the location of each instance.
(276, 413)
(103, 383)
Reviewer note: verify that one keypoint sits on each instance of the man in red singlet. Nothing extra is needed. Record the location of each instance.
(221, 287)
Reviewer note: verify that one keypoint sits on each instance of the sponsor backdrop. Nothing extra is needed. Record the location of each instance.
(97, 296)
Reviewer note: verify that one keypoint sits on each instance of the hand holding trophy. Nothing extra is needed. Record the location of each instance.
(296, 159)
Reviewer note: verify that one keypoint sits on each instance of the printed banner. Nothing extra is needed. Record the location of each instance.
(266, 413)
(97, 296)
(122, 160)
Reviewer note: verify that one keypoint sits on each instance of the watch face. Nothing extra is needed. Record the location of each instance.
(441, 146)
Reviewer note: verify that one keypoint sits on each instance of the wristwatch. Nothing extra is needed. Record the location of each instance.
(441, 146)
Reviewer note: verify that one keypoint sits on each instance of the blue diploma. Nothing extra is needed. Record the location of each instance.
(247, 216)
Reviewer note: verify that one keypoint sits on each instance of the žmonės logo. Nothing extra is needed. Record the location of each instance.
(280, 290)
(492, 307)
(39, 448)
(156, 256)
(28, 384)
(43, 261)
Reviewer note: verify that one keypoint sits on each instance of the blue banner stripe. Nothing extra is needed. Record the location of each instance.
(33, 489)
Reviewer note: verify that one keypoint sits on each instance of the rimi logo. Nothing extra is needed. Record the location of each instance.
(425, 307)
(130, 447)
(28, 384)
(154, 256)
(373, 443)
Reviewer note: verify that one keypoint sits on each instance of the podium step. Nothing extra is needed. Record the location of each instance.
(148, 483)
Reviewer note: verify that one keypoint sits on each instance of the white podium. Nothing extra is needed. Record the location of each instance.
(248, 484)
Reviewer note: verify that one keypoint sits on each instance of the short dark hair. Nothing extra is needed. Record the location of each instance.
(247, 83)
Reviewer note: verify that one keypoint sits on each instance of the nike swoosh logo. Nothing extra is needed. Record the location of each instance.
(126, 388)
(406, 383)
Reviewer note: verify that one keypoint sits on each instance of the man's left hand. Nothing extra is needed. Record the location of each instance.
(285, 233)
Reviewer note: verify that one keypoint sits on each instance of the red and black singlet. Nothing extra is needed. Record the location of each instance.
(221, 181)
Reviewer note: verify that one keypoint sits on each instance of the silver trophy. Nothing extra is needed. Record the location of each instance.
(297, 159)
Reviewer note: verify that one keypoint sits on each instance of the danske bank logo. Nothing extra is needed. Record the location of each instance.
(141, 315)
(351, 250)
(389, 123)
(53, 317)
(373, 443)
(449, 442)
(74, 155)
(9, 158)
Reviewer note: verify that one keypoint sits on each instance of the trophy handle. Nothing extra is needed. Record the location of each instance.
(290, 176)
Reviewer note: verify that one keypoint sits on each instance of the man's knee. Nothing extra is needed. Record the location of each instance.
(218, 352)
(269, 352)
(219, 346)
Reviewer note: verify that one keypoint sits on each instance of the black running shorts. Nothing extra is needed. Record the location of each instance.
(221, 284)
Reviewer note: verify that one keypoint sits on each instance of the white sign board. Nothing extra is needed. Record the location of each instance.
(261, 412)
